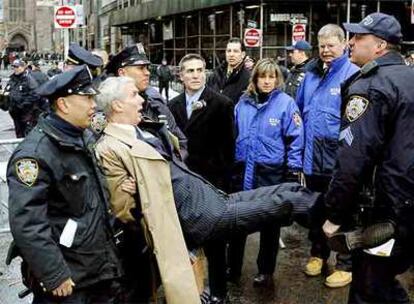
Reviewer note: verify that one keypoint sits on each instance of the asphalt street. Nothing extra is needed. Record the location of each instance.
(291, 285)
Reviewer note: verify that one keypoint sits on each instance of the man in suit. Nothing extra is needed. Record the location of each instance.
(206, 118)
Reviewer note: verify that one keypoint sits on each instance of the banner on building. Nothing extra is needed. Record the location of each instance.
(167, 30)
(298, 32)
(80, 15)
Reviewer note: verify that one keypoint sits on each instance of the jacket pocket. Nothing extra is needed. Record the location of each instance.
(268, 174)
(74, 189)
(324, 155)
(332, 120)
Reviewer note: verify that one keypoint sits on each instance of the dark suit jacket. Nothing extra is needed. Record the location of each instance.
(210, 134)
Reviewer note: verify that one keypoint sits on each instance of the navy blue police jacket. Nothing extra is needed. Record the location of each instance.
(53, 178)
(376, 145)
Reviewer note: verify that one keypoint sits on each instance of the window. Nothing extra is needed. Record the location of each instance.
(17, 10)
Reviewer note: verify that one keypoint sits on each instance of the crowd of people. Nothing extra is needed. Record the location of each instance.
(115, 190)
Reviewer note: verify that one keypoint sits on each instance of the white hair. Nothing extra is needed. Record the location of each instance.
(331, 30)
(112, 89)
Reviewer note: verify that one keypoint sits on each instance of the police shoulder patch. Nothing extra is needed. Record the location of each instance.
(297, 119)
(27, 170)
(356, 106)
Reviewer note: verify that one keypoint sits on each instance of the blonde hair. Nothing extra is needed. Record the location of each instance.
(262, 67)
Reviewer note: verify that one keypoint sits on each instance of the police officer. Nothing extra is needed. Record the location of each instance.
(23, 103)
(133, 62)
(58, 206)
(299, 54)
(77, 55)
(376, 148)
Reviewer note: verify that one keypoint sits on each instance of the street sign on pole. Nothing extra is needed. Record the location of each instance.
(298, 32)
(252, 37)
(65, 17)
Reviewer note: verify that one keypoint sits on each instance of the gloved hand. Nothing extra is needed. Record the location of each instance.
(293, 176)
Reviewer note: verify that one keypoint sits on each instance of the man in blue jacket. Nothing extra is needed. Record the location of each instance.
(319, 100)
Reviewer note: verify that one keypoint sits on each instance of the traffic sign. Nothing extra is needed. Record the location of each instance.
(252, 37)
(65, 17)
(298, 32)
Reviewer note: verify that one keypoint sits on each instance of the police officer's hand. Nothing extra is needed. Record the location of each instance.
(65, 289)
(129, 186)
(330, 228)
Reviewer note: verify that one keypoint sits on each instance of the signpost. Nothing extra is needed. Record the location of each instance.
(298, 32)
(252, 37)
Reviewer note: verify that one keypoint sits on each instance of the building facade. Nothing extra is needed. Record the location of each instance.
(170, 29)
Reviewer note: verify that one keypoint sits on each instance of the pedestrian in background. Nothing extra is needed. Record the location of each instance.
(164, 77)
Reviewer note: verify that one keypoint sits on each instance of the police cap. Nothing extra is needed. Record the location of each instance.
(77, 55)
(381, 25)
(77, 81)
(301, 45)
(129, 56)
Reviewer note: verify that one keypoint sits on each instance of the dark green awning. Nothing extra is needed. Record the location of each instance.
(161, 8)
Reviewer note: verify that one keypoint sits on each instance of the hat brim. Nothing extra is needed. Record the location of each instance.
(290, 48)
(355, 28)
(88, 91)
(137, 63)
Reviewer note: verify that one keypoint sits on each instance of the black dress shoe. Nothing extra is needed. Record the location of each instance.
(263, 280)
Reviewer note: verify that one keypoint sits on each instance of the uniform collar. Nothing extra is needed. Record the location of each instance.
(391, 58)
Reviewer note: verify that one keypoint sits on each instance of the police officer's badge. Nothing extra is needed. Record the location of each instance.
(98, 122)
(296, 119)
(27, 171)
(356, 106)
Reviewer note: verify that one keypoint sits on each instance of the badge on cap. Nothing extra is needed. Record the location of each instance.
(27, 171)
(356, 106)
(297, 119)
(367, 21)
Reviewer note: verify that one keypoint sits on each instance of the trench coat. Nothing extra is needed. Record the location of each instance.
(122, 155)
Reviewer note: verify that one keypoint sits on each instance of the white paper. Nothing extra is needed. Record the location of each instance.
(383, 250)
(68, 233)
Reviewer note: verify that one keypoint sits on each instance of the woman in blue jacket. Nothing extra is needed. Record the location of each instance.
(269, 149)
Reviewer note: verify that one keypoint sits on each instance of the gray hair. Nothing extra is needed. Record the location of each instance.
(332, 30)
(112, 89)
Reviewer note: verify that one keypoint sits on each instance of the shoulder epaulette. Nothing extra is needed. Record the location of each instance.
(369, 67)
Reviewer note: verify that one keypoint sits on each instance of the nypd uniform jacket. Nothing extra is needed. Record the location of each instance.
(53, 179)
(377, 134)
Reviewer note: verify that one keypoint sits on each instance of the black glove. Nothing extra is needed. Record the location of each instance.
(293, 176)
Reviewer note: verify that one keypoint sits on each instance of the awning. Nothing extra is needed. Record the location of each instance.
(158, 8)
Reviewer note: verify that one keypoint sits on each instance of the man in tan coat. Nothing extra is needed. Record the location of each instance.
(123, 156)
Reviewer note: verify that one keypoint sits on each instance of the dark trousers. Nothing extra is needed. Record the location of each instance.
(164, 85)
(23, 123)
(107, 292)
(215, 252)
(373, 279)
(319, 247)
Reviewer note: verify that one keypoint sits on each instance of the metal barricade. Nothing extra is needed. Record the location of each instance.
(7, 147)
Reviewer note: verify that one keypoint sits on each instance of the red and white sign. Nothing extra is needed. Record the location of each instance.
(65, 17)
(252, 37)
(298, 32)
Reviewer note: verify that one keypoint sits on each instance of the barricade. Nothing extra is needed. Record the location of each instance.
(7, 147)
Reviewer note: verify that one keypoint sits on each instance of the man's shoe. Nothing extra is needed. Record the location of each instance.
(338, 278)
(314, 266)
(370, 237)
(263, 280)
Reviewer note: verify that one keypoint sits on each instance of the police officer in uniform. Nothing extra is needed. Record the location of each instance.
(376, 154)
(58, 205)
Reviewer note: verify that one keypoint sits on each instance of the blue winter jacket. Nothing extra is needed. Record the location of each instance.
(319, 100)
(270, 138)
